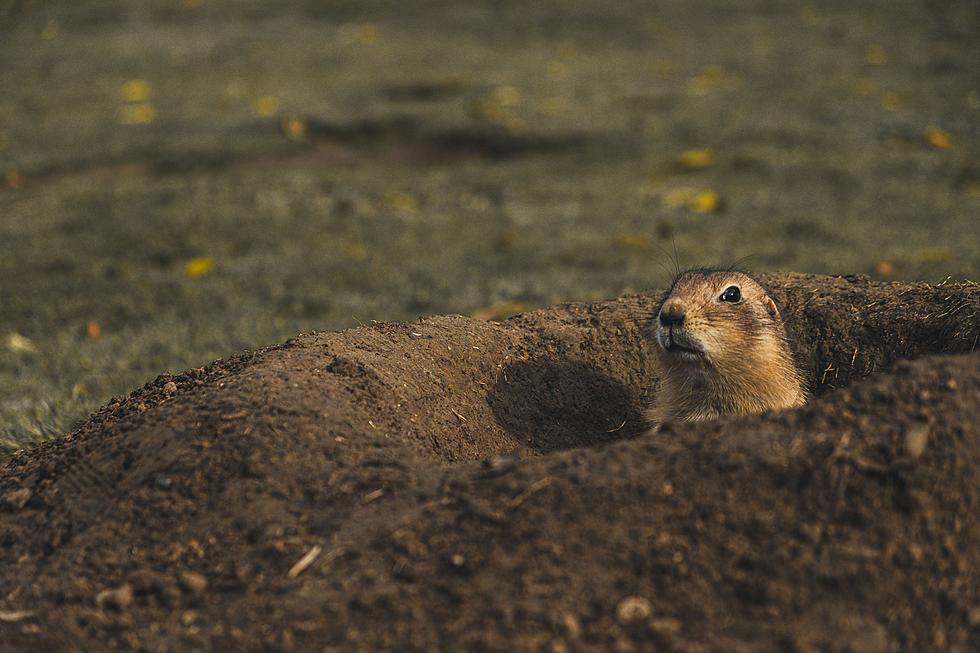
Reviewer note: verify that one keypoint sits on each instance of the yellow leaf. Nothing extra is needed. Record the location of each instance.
(497, 107)
(135, 90)
(697, 159)
(705, 202)
(12, 177)
(266, 105)
(499, 311)
(368, 34)
(507, 96)
(677, 197)
(939, 138)
(514, 124)
(885, 269)
(876, 55)
(396, 199)
(934, 255)
(17, 342)
(635, 241)
(486, 109)
(198, 267)
(709, 78)
(865, 87)
(138, 114)
(294, 127)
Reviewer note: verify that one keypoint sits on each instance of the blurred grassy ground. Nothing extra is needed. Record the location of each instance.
(184, 179)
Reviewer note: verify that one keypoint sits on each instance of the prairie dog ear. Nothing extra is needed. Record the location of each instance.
(771, 307)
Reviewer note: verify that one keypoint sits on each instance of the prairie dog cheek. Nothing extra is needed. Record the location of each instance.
(716, 342)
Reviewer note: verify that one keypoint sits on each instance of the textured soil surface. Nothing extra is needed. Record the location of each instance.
(462, 485)
(181, 180)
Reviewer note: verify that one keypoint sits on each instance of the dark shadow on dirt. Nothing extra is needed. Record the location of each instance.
(402, 138)
(551, 405)
(401, 132)
(424, 91)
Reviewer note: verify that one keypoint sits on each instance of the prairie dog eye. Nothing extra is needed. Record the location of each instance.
(732, 294)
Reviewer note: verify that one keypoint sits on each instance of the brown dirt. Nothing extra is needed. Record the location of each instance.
(480, 486)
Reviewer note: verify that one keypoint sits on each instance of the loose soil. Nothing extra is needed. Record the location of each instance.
(463, 156)
(461, 485)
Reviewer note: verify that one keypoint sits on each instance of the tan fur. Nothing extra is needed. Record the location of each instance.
(744, 366)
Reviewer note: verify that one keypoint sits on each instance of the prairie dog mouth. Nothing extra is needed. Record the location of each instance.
(677, 344)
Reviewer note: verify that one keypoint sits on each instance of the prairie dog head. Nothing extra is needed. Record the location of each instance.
(717, 319)
(722, 346)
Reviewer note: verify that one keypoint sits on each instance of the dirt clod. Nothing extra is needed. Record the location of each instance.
(974, 617)
(633, 608)
(916, 439)
(16, 499)
(118, 598)
(193, 582)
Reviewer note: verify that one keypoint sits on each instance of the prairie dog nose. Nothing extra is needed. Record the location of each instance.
(672, 313)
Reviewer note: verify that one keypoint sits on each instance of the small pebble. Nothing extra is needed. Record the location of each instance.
(974, 617)
(633, 608)
(193, 582)
(572, 627)
(916, 439)
(17, 499)
(119, 598)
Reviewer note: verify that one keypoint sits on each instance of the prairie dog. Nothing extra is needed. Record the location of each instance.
(722, 349)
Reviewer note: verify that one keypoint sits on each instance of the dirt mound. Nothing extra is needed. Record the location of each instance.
(383, 489)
